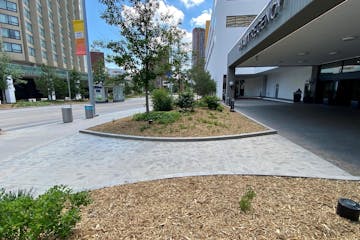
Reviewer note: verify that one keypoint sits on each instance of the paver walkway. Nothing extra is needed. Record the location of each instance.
(87, 162)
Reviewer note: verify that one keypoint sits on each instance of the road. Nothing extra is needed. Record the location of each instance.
(15, 119)
(26, 129)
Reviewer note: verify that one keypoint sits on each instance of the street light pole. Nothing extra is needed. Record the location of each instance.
(89, 68)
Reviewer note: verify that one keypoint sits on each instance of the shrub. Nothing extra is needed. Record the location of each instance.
(186, 100)
(51, 215)
(212, 102)
(245, 201)
(161, 99)
(158, 117)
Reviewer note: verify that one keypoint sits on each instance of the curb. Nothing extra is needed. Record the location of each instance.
(179, 139)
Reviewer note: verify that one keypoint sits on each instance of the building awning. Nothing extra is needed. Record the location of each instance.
(300, 33)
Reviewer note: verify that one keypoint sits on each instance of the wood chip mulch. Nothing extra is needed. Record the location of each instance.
(208, 208)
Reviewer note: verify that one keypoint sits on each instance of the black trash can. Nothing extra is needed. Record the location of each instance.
(297, 97)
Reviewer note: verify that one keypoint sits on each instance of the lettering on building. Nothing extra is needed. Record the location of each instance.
(272, 12)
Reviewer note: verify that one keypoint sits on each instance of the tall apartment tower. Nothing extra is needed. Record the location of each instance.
(35, 32)
(198, 46)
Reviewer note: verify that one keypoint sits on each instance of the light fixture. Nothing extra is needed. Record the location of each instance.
(349, 38)
(302, 53)
(333, 53)
(300, 61)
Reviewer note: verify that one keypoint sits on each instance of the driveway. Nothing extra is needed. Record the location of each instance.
(329, 131)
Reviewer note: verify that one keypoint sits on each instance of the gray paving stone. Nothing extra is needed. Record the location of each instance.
(87, 162)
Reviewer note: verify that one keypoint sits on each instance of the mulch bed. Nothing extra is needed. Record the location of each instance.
(201, 123)
(208, 208)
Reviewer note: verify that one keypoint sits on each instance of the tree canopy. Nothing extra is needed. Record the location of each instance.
(145, 37)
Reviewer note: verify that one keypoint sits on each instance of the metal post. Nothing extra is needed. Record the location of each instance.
(68, 82)
(89, 68)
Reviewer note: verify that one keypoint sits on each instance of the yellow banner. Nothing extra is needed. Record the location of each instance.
(79, 32)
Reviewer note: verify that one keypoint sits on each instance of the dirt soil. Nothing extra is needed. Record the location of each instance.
(201, 123)
(208, 208)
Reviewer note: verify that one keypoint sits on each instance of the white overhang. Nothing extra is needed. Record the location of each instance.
(303, 33)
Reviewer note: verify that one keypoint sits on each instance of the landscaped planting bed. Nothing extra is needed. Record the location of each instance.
(200, 123)
(208, 208)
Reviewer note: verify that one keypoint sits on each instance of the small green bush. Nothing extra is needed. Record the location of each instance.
(212, 102)
(245, 201)
(51, 215)
(162, 101)
(158, 117)
(186, 100)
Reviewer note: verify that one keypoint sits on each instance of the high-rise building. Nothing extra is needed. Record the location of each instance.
(207, 28)
(97, 58)
(36, 32)
(198, 46)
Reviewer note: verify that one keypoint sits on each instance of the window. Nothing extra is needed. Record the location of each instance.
(42, 32)
(9, 19)
(28, 26)
(352, 65)
(39, 8)
(54, 46)
(44, 55)
(26, 2)
(12, 47)
(31, 51)
(27, 13)
(30, 39)
(55, 56)
(40, 20)
(43, 44)
(8, 5)
(239, 21)
(10, 33)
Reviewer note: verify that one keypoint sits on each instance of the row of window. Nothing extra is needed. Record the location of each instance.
(239, 21)
(10, 33)
(9, 19)
(12, 47)
(8, 5)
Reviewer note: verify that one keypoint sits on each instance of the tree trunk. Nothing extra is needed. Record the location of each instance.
(147, 87)
(3, 96)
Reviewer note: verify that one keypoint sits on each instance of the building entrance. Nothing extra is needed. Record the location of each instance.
(340, 92)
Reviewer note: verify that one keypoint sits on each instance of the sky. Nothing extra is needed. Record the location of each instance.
(193, 13)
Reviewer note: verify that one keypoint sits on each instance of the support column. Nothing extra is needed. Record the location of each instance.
(230, 85)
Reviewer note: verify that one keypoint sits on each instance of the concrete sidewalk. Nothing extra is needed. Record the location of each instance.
(88, 162)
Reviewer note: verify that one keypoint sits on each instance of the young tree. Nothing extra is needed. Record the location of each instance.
(204, 85)
(75, 83)
(7, 69)
(143, 37)
(99, 73)
(46, 83)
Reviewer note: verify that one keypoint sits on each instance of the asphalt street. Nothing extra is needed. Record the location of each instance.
(15, 119)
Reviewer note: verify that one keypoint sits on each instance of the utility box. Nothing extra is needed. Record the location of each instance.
(89, 111)
(67, 114)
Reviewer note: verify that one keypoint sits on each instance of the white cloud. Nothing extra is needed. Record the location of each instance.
(192, 3)
(177, 15)
(201, 20)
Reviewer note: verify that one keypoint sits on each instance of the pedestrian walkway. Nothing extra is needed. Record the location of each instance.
(88, 162)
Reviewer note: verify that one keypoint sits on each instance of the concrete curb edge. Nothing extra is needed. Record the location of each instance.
(179, 139)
